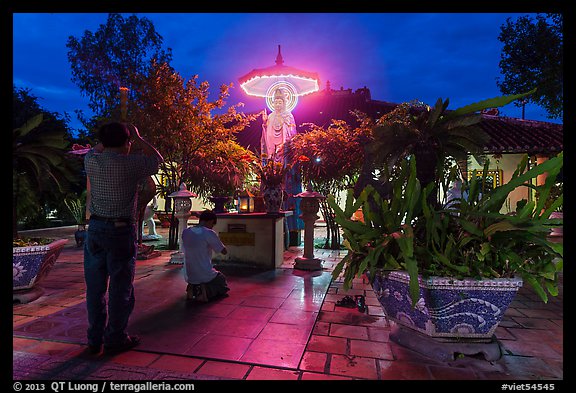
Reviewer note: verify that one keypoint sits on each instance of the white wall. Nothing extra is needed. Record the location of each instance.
(507, 163)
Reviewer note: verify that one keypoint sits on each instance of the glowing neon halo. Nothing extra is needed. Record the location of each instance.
(258, 85)
(290, 93)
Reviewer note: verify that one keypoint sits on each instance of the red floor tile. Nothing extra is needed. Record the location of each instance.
(224, 369)
(348, 331)
(135, 358)
(252, 313)
(220, 347)
(263, 301)
(285, 333)
(352, 366)
(182, 364)
(327, 344)
(274, 352)
(371, 349)
(266, 373)
(314, 361)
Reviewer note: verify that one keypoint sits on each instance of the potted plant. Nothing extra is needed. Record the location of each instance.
(38, 153)
(429, 261)
(451, 271)
(219, 171)
(76, 207)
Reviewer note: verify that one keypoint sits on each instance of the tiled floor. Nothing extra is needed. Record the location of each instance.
(281, 324)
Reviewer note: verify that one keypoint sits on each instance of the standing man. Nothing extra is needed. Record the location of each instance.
(110, 248)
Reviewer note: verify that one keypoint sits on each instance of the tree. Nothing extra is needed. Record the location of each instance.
(42, 171)
(113, 57)
(330, 159)
(174, 114)
(532, 58)
(177, 117)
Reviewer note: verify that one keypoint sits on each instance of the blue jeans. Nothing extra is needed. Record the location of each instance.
(110, 253)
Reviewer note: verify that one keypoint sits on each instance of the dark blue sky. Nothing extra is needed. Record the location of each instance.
(398, 56)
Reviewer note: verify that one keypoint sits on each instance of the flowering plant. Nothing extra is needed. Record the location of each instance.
(270, 170)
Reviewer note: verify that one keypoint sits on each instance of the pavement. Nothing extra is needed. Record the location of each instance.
(280, 324)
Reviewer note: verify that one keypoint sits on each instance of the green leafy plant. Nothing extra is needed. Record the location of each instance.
(39, 161)
(77, 208)
(468, 238)
(432, 134)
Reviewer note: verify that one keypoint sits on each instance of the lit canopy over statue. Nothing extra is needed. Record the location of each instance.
(281, 86)
(262, 82)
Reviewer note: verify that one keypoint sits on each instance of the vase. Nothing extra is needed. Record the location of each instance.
(30, 265)
(273, 196)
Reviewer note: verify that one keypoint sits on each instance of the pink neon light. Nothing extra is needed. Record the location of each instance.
(307, 85)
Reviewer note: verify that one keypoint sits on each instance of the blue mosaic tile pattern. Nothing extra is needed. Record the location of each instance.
(30, 264)
(447, 308)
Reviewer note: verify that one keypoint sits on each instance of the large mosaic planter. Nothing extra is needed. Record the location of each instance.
(448, 308)
(30, 265)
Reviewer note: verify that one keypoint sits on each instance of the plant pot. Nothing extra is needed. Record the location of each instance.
(220, 203)
(259, 204)
(80, 235)
(273, 196)
(30, 265)
(447, 308)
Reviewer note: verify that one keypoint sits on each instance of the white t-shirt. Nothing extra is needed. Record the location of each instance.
(198, 243)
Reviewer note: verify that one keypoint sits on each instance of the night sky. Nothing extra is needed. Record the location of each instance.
(399, 56)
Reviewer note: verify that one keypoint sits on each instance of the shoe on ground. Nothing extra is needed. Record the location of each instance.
(196, 293)
(361, 303)
(347, 302)
(129, 343)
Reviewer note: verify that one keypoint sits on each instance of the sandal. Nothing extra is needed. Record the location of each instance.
(361, 303)
(346, 301)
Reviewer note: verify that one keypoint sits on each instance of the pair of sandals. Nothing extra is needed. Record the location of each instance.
(359, 301)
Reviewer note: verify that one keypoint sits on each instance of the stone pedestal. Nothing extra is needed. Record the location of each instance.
(177, 257)
(309, 205)
(444, 350)
(182, 206)
(253, 239)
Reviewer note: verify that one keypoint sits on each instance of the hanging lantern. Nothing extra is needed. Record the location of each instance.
(245, 202)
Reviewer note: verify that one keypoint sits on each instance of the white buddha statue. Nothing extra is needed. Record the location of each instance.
(277, 128)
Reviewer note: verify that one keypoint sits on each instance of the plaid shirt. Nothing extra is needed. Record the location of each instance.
(114, 180)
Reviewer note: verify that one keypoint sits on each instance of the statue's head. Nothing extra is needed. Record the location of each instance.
(279, 99)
